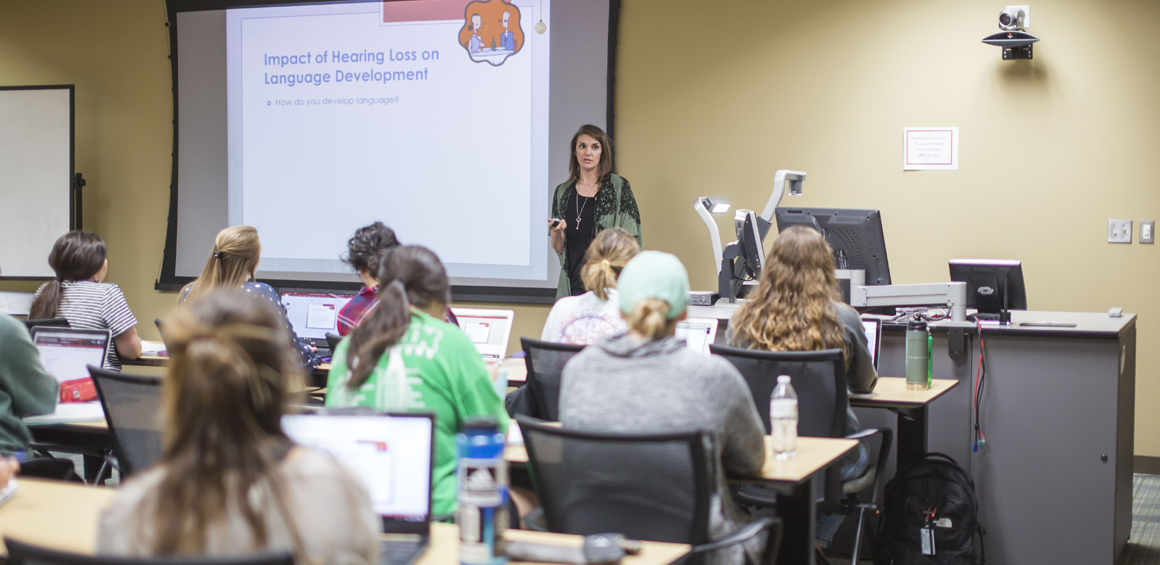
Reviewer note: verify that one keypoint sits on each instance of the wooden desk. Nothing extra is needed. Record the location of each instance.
(54, 514)
(63, 516)
(517, 370)
(147, 361)
(911, 407)
(444, 549)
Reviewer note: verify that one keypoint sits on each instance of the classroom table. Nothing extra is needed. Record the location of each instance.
(795, 481)
(63, 516)
(911, 407)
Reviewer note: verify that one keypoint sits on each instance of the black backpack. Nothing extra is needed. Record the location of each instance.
(930, 515)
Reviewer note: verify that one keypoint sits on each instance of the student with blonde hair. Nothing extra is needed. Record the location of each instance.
(648, 381)
(230, 482)
(595, 314)
(233, 263)
(798, 307)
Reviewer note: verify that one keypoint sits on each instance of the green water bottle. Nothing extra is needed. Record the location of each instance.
(918, 365)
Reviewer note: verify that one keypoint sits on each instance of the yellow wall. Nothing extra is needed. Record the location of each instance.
(713, 97)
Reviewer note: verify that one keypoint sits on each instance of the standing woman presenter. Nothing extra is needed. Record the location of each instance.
(592, 200)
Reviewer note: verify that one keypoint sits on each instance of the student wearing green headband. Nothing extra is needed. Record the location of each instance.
(647, 381)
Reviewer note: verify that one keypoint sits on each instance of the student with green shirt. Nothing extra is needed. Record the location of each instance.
(404, 357)
(25, 387)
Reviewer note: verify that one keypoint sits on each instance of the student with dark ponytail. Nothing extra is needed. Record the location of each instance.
(229, 481)
(404, 357)
(80, 295)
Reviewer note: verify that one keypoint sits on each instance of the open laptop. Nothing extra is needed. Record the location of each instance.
(873, 329)
(314, 313)
(489, 330)
(698, 333)
(66, 352)
(393, 454)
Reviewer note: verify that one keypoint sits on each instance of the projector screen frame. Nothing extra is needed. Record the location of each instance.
(169, 280)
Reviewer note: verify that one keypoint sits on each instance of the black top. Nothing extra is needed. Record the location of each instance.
(578, 235)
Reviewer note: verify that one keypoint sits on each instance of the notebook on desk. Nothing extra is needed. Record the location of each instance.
(489, 330)
(314, 313)
(698, 333)
(393, 454)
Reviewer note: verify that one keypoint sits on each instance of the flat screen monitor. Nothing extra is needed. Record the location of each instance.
(855, 235)
(749, 236)
(992, 284)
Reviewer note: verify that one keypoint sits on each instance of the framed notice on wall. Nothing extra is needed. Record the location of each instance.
(930, 148)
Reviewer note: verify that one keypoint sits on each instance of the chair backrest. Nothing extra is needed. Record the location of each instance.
(332, 340)
(132, 406)
(545, 361)
(646, 486)
(24, 554)
(818, 378)
(46, 322)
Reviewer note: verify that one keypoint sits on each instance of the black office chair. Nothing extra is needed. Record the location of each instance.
(819, 379)
(132, 406)
(545, 361)
(332, 340)
(46, 322)
(654, 487)
(20, 553)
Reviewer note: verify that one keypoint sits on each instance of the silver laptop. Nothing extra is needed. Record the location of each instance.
(393, 454)
(873, 329)
(314, 313)
(489, 330)
(66, 352)
(698, 333)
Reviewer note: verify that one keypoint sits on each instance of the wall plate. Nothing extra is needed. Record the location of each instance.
(1147, 231)
(1119, 231)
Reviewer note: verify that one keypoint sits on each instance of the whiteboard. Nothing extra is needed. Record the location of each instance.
(36, 167)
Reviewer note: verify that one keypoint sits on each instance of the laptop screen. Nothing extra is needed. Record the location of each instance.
(698, 333)
(313, 314)
(489, 330)
(392, 454)
(873, 329)
(65, 352)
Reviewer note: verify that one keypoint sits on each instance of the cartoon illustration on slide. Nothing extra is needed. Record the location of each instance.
(491, 31)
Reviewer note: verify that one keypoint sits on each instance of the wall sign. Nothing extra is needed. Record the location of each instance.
(930, 149)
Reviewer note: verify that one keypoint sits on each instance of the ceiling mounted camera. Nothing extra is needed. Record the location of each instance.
(1015, 42)
(1014, 18)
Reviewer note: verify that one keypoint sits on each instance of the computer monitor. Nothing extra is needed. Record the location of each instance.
(855, 236)
(752, 257)
(66, 353)
(698, 333)
(993, 285)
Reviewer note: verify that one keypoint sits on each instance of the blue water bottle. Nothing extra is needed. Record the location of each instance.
(483, 493)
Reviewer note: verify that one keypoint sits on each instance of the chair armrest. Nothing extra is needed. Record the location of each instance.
(744, 533)
(883, 454)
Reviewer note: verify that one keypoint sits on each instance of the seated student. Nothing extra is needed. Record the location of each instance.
(362, 254)
(80, 295)
(646, 381)
(233, 264)
(230, 482)
(26, 388)
(595, 314)
(405, 357)
(798, 307)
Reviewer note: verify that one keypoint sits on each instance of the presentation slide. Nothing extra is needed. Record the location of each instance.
(430, 116)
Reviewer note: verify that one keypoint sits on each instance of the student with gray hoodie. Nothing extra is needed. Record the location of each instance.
(647, 381)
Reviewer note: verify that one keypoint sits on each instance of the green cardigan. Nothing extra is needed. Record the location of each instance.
(26, 388)
(615, 208)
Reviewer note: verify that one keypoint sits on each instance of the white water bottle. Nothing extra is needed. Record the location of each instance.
(783, 418)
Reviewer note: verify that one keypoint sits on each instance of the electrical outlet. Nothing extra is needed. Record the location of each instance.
(1119, 231)
(1147, 231)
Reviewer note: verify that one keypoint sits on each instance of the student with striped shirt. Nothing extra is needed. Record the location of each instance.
(80, 295)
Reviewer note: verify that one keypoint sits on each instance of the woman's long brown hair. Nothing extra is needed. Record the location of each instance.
(231, 364)
(604, 168)
(76, 256)
(408, 274)
(233, 261)
(793, 306)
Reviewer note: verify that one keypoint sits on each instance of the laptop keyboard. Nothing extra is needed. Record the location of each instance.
(400, 552)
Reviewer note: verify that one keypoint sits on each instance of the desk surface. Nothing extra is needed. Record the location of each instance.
(891, 392)
(63, 516)
(516, 368)
(147, 361)
(813, 453)
(54, 514)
